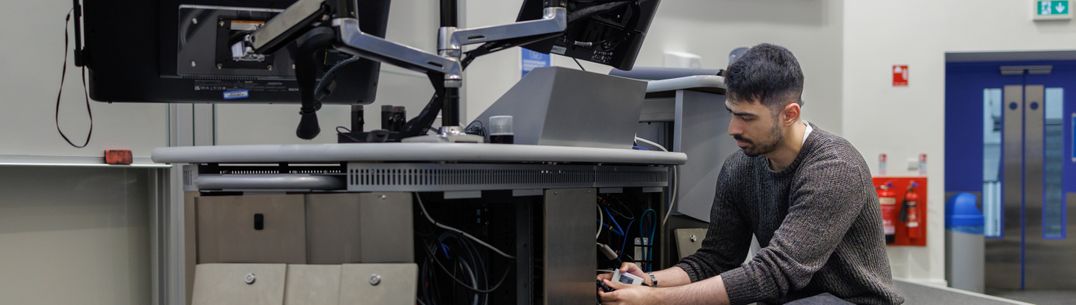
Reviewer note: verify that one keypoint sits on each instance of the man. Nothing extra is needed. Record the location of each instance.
(804, 193)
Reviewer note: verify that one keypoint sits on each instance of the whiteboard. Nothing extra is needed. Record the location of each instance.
(30, 64)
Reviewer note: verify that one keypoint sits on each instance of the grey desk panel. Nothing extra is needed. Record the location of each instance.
(698, 82)
(432, 152)
(700, 131)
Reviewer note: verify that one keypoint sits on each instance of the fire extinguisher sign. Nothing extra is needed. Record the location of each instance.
(900, 75)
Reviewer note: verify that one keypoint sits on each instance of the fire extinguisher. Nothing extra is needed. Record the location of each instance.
(888, 200)
(909, 213)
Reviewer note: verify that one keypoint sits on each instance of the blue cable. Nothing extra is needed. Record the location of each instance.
(649, 250)
(619, 229)
(625, 243)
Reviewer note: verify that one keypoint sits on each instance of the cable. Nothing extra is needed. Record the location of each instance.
(648, 252)
(475, 239)
(624, 243)
(619, 230)
(651, 143)
(629, 215)
(601, 223)
(330, 75)
(59, 94)
(580, 65)
(474, 278)
(675, 190)
(463, 284)
(674, 181)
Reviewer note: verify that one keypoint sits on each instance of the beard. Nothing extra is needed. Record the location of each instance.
(764, 146)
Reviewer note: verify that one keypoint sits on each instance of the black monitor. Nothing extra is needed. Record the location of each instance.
(185, 51)
(608, 32)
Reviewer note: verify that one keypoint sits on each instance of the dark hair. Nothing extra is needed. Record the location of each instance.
(767, 73)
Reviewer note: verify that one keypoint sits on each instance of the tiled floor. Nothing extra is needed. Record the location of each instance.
(1041, 297)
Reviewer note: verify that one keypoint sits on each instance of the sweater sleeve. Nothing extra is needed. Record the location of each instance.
(728, 237)
(826, 198)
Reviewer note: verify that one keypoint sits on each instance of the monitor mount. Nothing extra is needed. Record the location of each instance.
(314, 27)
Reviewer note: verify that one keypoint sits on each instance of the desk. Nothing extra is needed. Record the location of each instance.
(565, 180)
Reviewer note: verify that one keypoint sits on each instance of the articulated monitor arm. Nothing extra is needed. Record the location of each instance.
(310, 17)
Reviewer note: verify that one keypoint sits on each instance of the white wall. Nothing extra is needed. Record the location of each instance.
(709, 28)
(82, 237)
(904, 122)
(30, 60)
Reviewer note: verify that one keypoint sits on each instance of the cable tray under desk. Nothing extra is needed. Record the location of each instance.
(423, 177)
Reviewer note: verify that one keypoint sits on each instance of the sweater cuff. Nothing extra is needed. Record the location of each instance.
(740, 287)
(692, 273)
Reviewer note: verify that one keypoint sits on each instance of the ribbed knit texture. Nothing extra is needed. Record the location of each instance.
(818, 223)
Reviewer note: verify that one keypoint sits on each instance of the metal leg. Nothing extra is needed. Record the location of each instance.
(569, 250)
(524, 259)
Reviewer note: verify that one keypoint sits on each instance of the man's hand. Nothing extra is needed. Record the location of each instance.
(625, 294)
(630, 268)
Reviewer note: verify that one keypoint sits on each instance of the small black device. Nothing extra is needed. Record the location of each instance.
(191, 51)
(604, 287)
(608, 32)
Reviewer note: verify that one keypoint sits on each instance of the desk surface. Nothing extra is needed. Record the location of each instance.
(418, 152)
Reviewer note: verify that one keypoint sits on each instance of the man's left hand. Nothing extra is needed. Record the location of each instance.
(625, 294)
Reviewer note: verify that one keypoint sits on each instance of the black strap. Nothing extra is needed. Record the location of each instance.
(59, 94)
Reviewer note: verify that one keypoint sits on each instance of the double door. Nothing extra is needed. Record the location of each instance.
(1009, 140)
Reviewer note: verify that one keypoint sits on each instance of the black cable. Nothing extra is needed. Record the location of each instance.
(496, 46)
(580, 65)
(479, 130)
(85, 92)
(463, 284)
(330, 76)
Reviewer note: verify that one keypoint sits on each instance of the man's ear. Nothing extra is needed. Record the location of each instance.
(790, 114)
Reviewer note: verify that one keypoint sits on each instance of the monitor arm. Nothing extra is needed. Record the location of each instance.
(307, 15)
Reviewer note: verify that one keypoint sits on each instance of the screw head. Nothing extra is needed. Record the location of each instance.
(693, 238)
(194, 20)
(269, 67)
(375, 279)
(249, 278)
(221, 23)
(383, 196)
(220, 66)
(194, 64)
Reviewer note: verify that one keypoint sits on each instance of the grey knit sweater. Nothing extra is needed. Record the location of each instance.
(818, 223)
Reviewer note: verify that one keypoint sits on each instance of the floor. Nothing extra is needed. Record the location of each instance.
(1041, 297)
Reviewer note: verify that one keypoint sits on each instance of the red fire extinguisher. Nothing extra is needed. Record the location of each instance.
(888, 200)
(910, 212)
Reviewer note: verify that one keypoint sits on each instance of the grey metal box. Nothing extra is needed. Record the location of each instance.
(227, 284)
(359, 228)
(229, 229)
(568, 107)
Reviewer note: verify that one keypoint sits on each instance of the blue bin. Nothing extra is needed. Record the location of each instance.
(962, 215)
(964, 244)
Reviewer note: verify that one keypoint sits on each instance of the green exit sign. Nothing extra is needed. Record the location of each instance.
(1053, 10)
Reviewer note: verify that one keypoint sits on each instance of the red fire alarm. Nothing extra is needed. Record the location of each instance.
(900, 75)
(118, 156)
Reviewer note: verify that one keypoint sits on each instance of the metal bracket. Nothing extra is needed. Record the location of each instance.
(451, 40)
(355, 42)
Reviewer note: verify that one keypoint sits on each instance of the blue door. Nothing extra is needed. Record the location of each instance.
(1008, 138)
